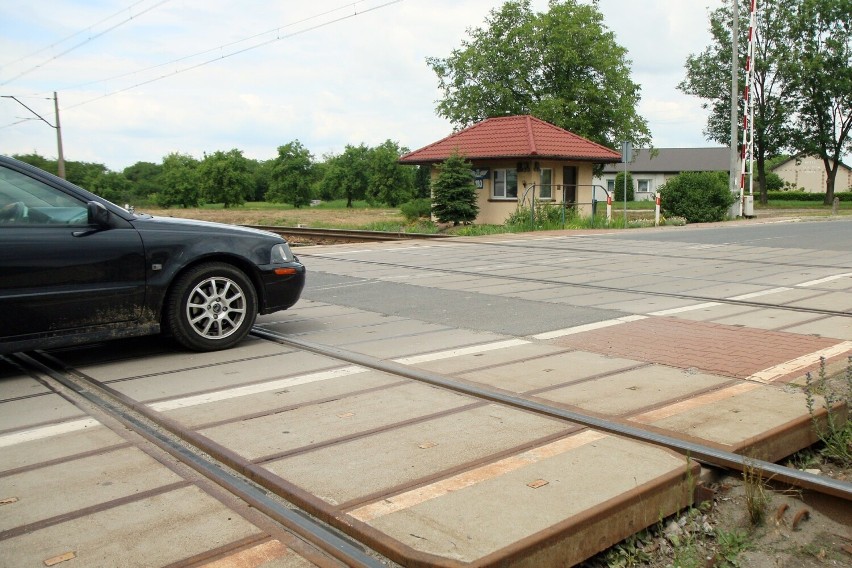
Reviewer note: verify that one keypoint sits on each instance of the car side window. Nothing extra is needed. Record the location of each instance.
(28, 201)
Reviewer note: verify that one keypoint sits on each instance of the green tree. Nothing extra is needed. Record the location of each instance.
(261, 175)
(179, 182)
(389, 181)
(145, 179)
(347, 175)
(563, 66)
(113, 186)
(225, 178)
(454, 193)
(699, 197)
(291, 175)
(422, 182)
(708, 76)
(618, 189)
(50, 166)
(820, 72)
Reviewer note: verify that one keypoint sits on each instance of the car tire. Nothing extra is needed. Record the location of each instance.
(211, 307)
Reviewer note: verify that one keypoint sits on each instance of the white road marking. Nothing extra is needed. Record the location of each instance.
(46, 432)
(824, 280)
(760, 293)
(683, 309)
(437, 356)
(587, 327)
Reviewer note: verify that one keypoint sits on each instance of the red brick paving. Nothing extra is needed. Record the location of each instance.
(710, 347)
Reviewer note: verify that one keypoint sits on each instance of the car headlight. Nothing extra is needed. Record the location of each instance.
(281, 253)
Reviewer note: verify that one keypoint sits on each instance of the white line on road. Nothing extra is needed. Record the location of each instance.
(824, 280)
(587, 327)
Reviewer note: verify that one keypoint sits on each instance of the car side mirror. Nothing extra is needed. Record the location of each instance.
(98, 214)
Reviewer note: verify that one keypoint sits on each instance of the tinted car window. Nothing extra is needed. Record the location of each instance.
(24, 200)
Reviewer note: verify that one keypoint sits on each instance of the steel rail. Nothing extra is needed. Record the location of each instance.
(587, 286)
(312, 531)
(345, 234)
(699, 452)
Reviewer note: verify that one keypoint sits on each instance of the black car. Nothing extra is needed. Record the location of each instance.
(75, 268)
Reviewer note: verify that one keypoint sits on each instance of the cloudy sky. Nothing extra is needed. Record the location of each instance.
(138, 79)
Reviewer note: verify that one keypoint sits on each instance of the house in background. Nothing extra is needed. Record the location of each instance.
(650, 172)
(516, 158)
(808, 173)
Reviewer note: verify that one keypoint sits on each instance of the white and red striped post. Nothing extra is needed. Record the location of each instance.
(608, 207)
(747, 153)
(657, 211)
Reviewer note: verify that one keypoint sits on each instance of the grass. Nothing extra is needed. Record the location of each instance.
(835, 432)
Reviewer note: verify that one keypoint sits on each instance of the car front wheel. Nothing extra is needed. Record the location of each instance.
(211, 307)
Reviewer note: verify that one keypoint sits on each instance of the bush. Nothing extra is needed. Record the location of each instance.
(618, 189)
(774, 182)
(417, 209)
(698, 197)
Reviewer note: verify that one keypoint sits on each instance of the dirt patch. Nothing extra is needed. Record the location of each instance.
(800, 530)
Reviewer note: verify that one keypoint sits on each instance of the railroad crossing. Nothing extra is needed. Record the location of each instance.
(519, 400)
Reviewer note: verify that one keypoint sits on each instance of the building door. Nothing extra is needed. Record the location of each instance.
(569, 184)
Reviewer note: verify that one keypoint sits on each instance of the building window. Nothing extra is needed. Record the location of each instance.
(505, 184)
(546, 191)
(643, 185)
(610, 186)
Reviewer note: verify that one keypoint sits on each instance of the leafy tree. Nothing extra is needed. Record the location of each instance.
(389, 182)
(113, 186)
(563, 66)
(820, 73)
(708, 76)
(422, 182)
(291, 175)
(38, 161)
(225, 178)
(347, 175)
(619, 187)
(454, 193)
(180, 182)
(145, 179)
(699, 197)
(261, 175)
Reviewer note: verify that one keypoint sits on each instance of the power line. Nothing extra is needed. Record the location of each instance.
(279, 37)
(221, 47)
(82, 43)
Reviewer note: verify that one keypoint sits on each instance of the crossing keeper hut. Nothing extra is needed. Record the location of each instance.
(518, 158)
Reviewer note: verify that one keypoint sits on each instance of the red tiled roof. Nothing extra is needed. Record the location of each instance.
(513, 137)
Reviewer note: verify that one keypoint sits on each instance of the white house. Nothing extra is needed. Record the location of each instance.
(808, 173)
(650, 172)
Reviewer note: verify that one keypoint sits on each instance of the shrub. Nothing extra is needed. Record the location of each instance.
(774, 182)
(618, 189)
(417, 209)
(699, 197)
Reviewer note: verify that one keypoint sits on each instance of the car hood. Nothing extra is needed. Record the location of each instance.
(143, 222)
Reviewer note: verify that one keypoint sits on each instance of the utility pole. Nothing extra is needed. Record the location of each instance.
(60, 161)
(735, 30)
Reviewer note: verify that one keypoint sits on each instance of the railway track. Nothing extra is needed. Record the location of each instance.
(329, 527)
(302, 235)
(260, 473)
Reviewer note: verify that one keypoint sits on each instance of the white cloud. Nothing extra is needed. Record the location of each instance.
(360, 79)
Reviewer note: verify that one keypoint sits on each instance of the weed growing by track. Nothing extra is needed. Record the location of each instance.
(835, 432)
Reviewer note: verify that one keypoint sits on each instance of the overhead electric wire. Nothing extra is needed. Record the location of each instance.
(218, 48)
(250, 48)
(82, 43)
